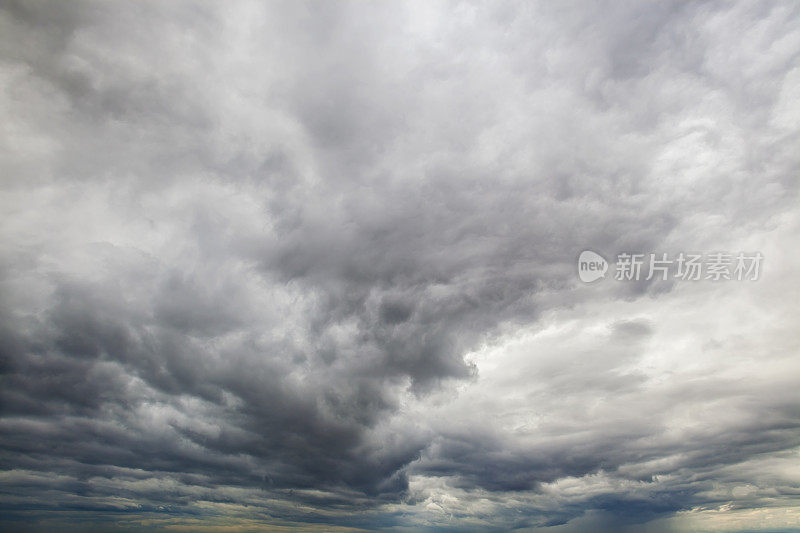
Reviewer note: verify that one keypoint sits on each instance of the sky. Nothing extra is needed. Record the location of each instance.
(312, 266)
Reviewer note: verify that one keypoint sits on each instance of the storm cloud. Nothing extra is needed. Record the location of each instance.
(313, 264)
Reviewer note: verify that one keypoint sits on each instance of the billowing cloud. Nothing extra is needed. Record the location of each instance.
(313, 265)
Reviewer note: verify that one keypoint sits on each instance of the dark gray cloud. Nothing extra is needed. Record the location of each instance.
(313, 264)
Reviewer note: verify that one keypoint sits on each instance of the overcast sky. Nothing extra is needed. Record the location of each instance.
(278, 264)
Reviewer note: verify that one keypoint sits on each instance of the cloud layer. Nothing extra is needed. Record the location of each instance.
(314, 264)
